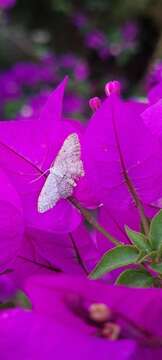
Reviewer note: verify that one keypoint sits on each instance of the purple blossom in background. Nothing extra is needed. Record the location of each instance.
(115, 42)
(27, 74)
(5, 4)
(104, 53)
(30, 74)
(9, 88)
(95, 40)
(80, 20)
(129, 31)
(73, 103)
(24, 86)
(68, 60)
(79, 68)
(81, 71)
(33, 107)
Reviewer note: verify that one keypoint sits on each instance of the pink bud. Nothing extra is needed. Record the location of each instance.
(95, 103)
(113, 87)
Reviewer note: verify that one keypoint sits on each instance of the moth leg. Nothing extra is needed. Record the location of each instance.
(39, 177)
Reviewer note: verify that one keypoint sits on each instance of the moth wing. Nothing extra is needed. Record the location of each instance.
(49, 194)
(65, 187)
(68, 160)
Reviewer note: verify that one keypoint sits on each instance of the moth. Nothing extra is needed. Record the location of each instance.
(66, 169)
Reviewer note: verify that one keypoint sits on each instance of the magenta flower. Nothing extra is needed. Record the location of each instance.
(121, 157)
(88, 308)
(27, 150)
(83, 319)
(51, 240)
(5, 4)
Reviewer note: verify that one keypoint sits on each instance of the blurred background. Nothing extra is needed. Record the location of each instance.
(93, 41)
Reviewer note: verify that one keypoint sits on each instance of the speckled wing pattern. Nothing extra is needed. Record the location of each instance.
(49, 194)
(64, 172)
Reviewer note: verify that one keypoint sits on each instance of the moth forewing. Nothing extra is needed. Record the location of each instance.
(49, 194)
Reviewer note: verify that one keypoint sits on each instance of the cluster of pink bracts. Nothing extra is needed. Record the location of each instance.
(121, 151)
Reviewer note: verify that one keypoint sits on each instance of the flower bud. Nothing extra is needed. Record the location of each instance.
(95, 103)
(113, 87)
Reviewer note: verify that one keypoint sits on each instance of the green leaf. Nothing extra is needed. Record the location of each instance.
(114, 259)
(22, 300)
(138, 239)
(156, 267)
(135, 278)
(155, 234)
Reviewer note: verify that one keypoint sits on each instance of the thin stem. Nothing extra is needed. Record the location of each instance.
(92, 221)
(157, 281)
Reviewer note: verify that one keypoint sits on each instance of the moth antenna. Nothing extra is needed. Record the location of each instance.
(39, 177)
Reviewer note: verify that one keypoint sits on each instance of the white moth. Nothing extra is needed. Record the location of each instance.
(64, 172)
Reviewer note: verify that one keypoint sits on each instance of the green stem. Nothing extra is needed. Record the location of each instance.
(92, 221)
